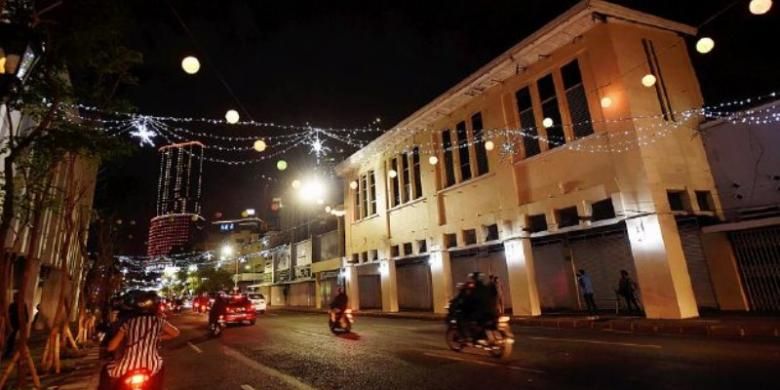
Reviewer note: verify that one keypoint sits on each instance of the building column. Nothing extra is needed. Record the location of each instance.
(724, 272)
(522, 277)
(662, 271)
(389, 285)
(441, 279)
(350, 275)
(318, 291)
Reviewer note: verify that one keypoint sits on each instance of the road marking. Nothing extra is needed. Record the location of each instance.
(247, 387)
(633, 345)
(195, 347)
(290, 380)
(483, 363)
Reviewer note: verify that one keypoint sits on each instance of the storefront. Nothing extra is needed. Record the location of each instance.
(487, 261)
(369, 286)
(413, 277)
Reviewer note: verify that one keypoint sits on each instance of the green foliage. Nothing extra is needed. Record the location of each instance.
(214, 279)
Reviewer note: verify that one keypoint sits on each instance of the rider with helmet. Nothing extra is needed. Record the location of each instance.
(138, 337)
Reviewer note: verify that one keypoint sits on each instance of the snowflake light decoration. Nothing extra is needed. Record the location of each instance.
(508, 150)
(317, 146)
(142, 131)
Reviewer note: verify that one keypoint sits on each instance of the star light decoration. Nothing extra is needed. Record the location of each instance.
(508, 150)
(142, 131)
(317, 146)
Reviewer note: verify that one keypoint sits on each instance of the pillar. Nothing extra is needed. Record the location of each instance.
(724, 272)
(389, 285)
(522, 277)
(318, 291)
(662, 272)
(350, 275)
(441, 279)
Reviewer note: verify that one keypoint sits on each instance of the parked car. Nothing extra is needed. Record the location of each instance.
(258, 301)
(240, 310)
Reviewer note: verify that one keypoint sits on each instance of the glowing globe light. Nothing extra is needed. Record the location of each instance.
(705, 45)
(260, 145)
(606, 101)
(547, 123)
(760, 7)
(320, 201)
(190, 64)
(232, 116)
(433, 160)
(392, 173)
(489, 145)
(312, 190)
(353, 184)
(648, 80)
(296, 184)
(327, 209)
(281, 165)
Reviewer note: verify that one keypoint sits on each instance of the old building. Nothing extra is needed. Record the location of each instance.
(572, 150)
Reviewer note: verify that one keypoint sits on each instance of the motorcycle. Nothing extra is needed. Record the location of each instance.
(216, 328)
(340, 322)
(498, 342)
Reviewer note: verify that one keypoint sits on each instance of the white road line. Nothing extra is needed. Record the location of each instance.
(195, 347)
(483, 363)
(633, 345)
(247, 387)
(292, 381)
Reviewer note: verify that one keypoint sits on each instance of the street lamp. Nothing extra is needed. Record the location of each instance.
(19, 52)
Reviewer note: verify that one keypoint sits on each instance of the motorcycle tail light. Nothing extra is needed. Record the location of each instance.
(230, 310)
(136, 381)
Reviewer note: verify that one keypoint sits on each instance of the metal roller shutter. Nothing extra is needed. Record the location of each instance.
(414, 286)
(603, 255)
(328, 289)
(697, 264)
(487, 263)
(758, 259)
(301, 294)
(554, 277)
(369, 288)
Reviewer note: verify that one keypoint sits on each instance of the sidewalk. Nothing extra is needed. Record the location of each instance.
(77, 373)
(719, 326)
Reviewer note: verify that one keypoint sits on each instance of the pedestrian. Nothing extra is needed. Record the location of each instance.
(627, 289)
(586, 289)
(13, 318)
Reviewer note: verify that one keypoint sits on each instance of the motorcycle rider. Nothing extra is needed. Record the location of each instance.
(477, 308)
(138, 336)
(338, 305)
(217, 309)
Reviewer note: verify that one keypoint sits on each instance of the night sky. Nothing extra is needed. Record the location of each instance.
(346, 63)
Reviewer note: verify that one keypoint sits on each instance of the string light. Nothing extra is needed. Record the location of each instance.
(648, 80)
(190, 64)
(142, 132)
(705, 45)
(760, 7)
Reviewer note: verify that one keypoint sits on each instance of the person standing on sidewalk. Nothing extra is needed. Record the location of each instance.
(586, 289)
(627, 289)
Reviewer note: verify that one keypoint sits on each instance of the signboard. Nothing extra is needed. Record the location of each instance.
(282, 258)
(303, 253)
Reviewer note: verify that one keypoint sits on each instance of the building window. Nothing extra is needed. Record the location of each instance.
(422, 246)
(364, 257)
(491, 232)
(355, 258)
(364, 195)
(577, 99)
(463, 151)
(568, 217)
(704, 199)
(394, 251)
(550, 110)
(537, 223)
(660, 85)
(449, 167)
(396, 198)
(479, 144)
(525, 110)
(373, 255)
(469, 237)
(371, 193)
(416, 173)
(677, 201)
(407, 183)
(450, 240)
(602, 210)
(408, 249)
(356, 195)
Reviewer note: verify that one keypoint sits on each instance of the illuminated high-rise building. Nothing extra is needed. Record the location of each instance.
(178, 199)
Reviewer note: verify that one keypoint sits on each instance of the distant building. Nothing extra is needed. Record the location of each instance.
(175, 226)
(243, 238)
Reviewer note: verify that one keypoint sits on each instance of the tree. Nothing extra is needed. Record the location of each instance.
(214, 279)
(86, 62)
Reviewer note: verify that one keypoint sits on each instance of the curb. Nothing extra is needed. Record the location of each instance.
(703, 328)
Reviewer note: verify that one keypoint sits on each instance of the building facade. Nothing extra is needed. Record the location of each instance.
(551, 158)
(175, 226)
(242, 237)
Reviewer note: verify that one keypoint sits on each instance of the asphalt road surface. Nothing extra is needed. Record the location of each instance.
(297, 351)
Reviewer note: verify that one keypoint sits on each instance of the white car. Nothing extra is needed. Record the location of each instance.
(258, 302)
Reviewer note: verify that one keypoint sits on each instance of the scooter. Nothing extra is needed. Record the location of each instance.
(216, 328)
(498, 342)
(339, 322)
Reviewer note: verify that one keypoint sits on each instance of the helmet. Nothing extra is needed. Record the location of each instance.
(147, 302)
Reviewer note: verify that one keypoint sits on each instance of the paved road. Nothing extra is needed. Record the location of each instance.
(296, 351)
